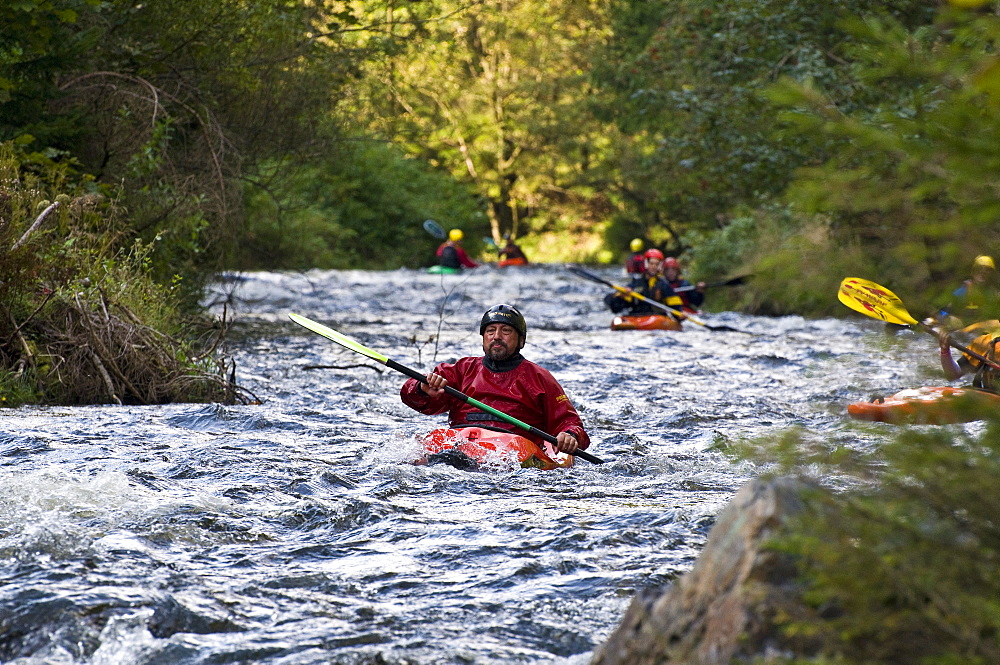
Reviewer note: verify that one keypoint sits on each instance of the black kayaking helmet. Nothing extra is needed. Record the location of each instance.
(505, 314)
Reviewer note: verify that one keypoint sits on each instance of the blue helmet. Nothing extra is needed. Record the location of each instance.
(505, 314)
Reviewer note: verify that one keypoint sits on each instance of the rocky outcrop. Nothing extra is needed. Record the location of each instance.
(725, 609)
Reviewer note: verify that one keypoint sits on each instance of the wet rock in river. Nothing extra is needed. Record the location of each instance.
(724, 609)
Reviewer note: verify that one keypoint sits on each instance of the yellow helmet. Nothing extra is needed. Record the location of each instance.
(455, 235)
(983, 261)
(636, 245)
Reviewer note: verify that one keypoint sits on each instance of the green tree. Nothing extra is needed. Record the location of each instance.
(496, 93)
(915, 179)
(359, 206)
(682, 81)
(179, 100)
(39, 38)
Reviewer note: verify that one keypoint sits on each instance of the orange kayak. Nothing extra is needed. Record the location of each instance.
(938, 405)
(512, 262)
(645, 322)
(472, 447)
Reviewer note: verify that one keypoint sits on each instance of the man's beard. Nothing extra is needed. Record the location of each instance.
(499, 353)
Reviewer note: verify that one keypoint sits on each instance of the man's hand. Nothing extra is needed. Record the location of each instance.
(566, 443)
(434, 386)
(944, 337)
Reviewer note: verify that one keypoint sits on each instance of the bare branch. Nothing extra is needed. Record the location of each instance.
(34, 227)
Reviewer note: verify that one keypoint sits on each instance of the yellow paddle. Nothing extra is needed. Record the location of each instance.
(878, 302)
(676, 313)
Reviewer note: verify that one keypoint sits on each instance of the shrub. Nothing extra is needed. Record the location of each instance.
(81, 319)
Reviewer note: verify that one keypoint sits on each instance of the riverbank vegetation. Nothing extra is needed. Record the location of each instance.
(81, 320)
(898, 565)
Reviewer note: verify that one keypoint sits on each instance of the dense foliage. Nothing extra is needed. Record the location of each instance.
(361, 205)
(338, 127)
(683, 81)
(178, 101)
(496, 94)
(913, 183)
(900, 567)
(81, 322)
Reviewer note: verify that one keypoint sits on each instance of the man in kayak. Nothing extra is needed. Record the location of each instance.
(504, 380)
(683, 294)
(511, 253)
(978, 296)
(984, 376)
(650, 283)
(636, 262)
(451, 255)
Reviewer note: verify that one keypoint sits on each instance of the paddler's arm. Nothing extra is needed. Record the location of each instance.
(416, 396)
(560, 417)
(697, 297)
(952, 370)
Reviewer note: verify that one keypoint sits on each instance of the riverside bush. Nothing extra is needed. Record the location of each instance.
(901, 567)
(797, 262)
(81, 319)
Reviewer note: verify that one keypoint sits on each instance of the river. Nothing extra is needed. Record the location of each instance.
(296, 531)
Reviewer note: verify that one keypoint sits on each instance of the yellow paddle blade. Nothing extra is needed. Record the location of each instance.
(874, 300)
(991, 326)
(339, 338)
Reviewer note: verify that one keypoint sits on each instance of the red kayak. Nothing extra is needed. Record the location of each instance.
(518, 261)
(473, 447)
(645, 322)
(939, 405)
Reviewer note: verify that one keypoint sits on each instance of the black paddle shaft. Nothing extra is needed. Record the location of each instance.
(735, 281)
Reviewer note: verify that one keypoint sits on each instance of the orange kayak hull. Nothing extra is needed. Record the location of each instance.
(512, 262)
(645, 322)
(485, 447)
(935, 405)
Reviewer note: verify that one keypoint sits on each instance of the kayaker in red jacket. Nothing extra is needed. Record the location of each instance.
(451, 255)
(504, 380)
(636, 262)
(650, 283)
(688, 298)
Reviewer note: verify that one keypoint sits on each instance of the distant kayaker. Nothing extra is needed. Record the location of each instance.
(504, 380)
(984, 376)
(686, 298)
(636, 262)
(510, 253)
(451, 255)
(650, 283)
(978, 296)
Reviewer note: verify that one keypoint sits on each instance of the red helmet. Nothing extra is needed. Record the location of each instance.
(653, 253)
(671, 262)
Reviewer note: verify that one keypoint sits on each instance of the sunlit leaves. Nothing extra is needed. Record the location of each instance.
(496, 93)
(684, 79)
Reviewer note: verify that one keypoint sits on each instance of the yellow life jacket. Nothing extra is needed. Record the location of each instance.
(987, 345)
